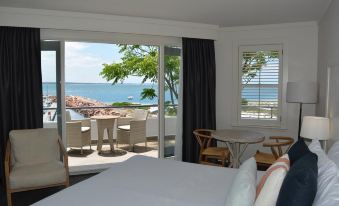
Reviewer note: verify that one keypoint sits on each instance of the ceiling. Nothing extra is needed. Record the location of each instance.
(219, 12)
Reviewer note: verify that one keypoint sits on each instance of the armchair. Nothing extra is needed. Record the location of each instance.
(32, 161)
(135, 131)
(78, 132)
(78, 136)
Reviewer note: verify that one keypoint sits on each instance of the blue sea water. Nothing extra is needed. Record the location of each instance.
(108, 93)
(105, 92)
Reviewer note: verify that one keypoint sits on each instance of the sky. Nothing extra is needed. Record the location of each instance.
(83, 62)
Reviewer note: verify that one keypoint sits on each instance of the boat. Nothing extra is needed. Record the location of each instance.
(130, 97)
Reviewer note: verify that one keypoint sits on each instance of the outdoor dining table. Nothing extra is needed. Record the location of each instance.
(105, 122)
(237, 142)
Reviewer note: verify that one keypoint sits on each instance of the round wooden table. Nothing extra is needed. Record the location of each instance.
(105, 123)
(237, 142)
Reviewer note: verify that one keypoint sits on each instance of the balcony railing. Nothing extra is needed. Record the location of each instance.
(110, 107)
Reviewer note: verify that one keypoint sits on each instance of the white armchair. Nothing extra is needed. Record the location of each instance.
(135, 131)
(78, 136)
(78, 132)
(32, 161)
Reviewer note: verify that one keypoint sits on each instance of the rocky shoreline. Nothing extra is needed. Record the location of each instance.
(79, 101)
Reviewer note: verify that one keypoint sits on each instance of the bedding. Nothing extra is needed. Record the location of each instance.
(146, 181)
(270, 184)
(328, 178)
(242, 192)
(300, 184)
(298, 150)
(333, 153)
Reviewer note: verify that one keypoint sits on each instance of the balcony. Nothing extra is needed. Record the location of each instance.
(91, 160)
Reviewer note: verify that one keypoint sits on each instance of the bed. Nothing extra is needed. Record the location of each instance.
(146, 181)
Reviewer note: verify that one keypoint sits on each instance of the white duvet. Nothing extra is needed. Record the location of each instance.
(145, 181)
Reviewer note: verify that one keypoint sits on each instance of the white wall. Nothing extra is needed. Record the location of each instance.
(328, 50)
(52, 19)
(299, 42)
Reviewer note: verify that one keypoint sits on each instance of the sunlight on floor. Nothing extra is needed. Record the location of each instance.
(91, 161)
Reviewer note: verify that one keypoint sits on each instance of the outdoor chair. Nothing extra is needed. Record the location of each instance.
(134, 129)
(78, 132)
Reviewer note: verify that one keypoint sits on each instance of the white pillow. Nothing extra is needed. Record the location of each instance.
(333, 153)
(269, 186)
(242, 192)
(328, 178)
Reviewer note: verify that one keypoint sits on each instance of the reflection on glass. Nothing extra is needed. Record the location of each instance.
(172, 73)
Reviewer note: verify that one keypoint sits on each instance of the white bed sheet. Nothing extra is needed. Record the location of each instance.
(145, 181)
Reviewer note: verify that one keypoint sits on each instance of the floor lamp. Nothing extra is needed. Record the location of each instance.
(301, 93)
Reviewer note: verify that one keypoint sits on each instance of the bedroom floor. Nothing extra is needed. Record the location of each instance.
(30, 197)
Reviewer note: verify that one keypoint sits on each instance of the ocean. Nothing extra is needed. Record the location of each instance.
(108, 93)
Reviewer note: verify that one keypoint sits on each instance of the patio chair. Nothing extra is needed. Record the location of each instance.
(32, 161)
(134, 130)
(78, 132)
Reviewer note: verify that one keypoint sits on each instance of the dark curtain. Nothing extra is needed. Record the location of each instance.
(20, 85)
(198, 93)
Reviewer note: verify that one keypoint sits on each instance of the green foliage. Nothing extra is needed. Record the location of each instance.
(170, 110)
(148, 93)
(142, 61)
(252, 62)
(121, 104)
(244, 101)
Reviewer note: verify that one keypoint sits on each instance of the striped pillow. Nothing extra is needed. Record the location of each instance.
(270, 184)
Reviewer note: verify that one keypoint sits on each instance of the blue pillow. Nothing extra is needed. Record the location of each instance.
(297, 150)
(300, 184)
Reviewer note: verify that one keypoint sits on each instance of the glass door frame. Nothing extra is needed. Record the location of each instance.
(161, 102)
(114, 38)
(58, 48)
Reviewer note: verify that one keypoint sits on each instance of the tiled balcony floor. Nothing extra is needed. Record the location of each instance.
(91, 162)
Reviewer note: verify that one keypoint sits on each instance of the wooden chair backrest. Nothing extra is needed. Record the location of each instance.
(276, 147)
(203, 137)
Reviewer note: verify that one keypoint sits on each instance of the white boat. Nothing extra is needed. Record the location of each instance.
(130, 97)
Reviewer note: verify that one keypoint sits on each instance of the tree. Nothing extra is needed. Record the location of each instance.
(253, 62)
(142, 61)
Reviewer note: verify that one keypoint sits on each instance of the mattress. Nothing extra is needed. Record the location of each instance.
(146, 181)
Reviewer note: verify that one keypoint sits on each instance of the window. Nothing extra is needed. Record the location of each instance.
(260, 69)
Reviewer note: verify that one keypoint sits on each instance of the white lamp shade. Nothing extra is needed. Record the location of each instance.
(315, 128)
(302, 92)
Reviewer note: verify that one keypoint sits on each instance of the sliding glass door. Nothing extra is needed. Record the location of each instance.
(172, 66)
(85, 79)
(51, 83)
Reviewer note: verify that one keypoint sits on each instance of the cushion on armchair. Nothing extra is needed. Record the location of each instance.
(30, 146)
(26, 176)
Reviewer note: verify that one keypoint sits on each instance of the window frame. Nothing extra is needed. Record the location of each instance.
(258, 122)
